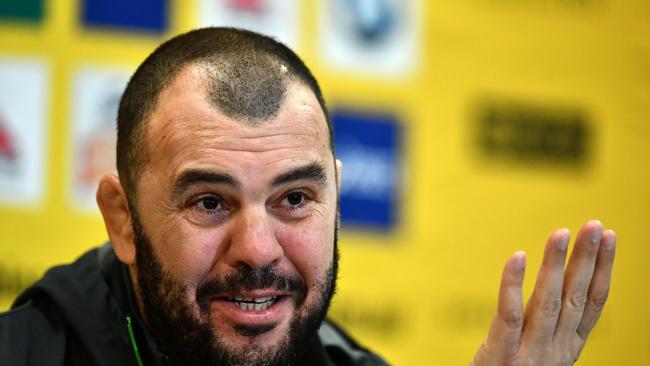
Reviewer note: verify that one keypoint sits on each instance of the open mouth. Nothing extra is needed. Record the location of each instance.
(251, 314)
(254, 303)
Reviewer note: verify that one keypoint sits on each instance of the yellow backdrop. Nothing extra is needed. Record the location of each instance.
(424, 293)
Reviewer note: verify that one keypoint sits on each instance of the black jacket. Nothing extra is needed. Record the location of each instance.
(78, 314)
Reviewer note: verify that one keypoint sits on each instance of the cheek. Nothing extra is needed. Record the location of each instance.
(189, 253)
(309, 247)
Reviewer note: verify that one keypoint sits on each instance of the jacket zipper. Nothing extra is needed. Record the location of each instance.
(138, 359)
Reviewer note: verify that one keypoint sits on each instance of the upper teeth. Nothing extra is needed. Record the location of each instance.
(254, 303)
(253, 299)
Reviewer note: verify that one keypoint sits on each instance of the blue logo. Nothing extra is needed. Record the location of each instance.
(369, 147)
(142, 15)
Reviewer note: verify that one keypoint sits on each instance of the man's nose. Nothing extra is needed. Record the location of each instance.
(253, 241)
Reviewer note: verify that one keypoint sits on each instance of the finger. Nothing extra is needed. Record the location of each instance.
(579, 273)
(505, 332)
(599, 288)
(543, 308)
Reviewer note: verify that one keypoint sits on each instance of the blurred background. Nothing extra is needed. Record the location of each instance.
(468, 129)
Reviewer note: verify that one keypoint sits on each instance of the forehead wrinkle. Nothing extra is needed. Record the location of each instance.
(188, 125)
(195, 130)
(174, 140)
(209, 141)
(208, 124)
(269, 142)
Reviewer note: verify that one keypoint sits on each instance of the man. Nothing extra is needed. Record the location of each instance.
(223, 229)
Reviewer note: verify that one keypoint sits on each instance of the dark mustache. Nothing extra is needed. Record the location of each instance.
(250, 279)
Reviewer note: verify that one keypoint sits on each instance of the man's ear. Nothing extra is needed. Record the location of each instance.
(114, 207)
(339, 171)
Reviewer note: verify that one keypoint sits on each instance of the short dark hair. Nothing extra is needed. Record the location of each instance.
(247, 75)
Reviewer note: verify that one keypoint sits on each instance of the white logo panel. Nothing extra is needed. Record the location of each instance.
(23, 111)
(275, 18)
(377, 37)
(96, 93)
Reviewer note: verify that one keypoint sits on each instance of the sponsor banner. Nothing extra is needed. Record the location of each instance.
(276, 18)
(533, 133)
(377, 37)
(142, 15)
(23, 107)
(369, 147)
(95, 98)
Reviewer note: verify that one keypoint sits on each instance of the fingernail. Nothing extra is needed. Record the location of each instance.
(563, 243)
(520, 260)
(596, 221)
(596, 235)
(610, 243)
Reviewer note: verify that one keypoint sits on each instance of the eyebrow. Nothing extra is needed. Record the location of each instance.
(313, 172)
(191, 177)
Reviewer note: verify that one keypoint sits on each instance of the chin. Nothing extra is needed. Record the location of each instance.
(237, 339)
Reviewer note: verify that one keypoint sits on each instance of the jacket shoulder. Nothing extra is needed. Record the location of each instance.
(342, 349)
(67, 317)
(30, 335)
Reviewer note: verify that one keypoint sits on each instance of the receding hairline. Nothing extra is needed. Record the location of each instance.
(201, 69)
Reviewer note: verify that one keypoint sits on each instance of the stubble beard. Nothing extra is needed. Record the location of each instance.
(186, 340)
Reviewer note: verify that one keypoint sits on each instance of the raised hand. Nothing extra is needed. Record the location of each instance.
(564, 306)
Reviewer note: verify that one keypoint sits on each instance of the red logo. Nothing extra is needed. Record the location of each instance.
(248, 6)
(7, 151)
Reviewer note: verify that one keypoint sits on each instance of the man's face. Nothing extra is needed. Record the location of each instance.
(235, 227)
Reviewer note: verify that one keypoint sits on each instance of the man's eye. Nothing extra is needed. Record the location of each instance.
(210, 203)
(295, 198)
(207, 210)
